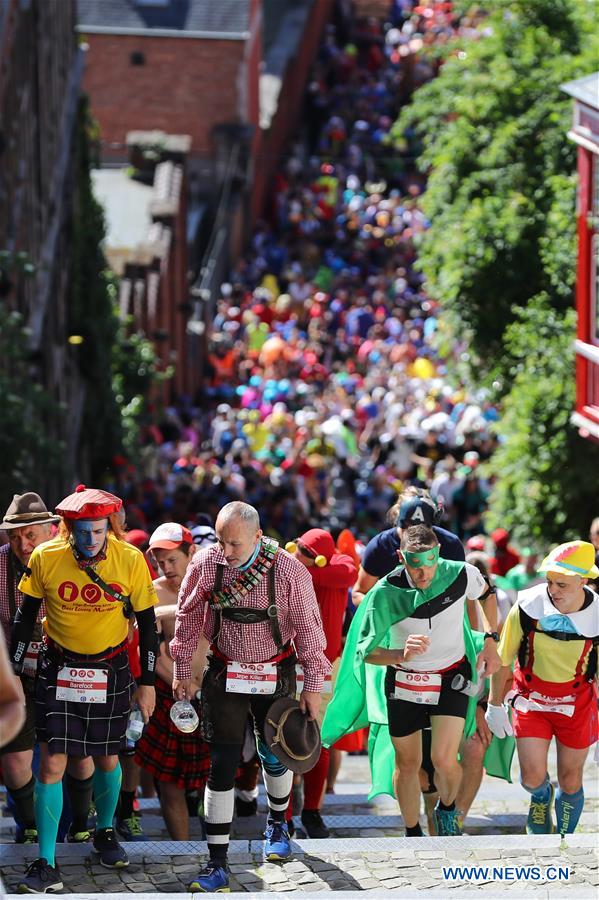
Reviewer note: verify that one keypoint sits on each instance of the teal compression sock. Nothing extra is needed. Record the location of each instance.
(568, 808)
(48, 809)
(107, 787)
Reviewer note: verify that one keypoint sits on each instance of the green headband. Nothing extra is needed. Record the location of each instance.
(425, 558)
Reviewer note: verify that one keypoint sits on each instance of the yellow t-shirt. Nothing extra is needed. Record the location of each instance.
(553, 660)
(79, 615)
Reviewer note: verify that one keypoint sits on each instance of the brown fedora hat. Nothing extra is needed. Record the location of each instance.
(292, 736)
(27, 509)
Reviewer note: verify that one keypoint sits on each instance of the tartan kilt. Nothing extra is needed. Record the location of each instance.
(83, 729)
(167, 753)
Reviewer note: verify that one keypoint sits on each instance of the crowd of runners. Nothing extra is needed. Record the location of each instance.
(297, 564)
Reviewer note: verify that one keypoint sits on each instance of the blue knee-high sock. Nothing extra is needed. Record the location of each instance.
(542, 793)
(107, 786)
(568, 808)
(48, 808)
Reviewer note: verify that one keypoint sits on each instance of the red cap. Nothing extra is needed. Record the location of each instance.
(319, 541)
(88, 503)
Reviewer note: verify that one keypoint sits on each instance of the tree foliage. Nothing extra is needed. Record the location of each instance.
(119, 367)
(493, 130)
(545, 489)
(499, 255)
(30, 456)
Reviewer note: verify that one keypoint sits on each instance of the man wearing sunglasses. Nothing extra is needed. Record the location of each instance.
(414, 623)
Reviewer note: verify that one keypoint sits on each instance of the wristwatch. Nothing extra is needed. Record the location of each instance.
(492, 634)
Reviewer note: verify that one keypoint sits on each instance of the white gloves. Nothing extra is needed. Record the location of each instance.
(498, 720)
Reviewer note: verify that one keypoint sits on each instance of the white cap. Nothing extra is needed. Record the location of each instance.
(169, 536)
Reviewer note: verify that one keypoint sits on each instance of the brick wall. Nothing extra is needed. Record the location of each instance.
(186, 85)
(378, 8)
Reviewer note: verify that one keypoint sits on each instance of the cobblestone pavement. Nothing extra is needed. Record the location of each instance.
(366, 852)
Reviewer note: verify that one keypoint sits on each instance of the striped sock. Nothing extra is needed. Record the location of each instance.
(218, 811)
(278, 781)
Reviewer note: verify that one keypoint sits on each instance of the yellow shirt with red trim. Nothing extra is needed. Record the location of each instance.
(80, 616)
(553, 660)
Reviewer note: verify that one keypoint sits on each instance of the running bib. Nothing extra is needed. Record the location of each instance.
(418, 687)
(327, 685)
(30, 661)
(542, 703)
(81, 685)
(251, 678)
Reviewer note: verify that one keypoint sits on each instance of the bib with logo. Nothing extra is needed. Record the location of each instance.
(82, 684)
(418, 687)
(251, 678)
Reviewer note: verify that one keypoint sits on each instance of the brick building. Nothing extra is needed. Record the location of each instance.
(40, 76)
(146, 248)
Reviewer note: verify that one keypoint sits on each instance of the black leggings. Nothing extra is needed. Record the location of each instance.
(224, 762)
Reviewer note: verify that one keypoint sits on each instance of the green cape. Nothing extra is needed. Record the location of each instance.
(359, 698)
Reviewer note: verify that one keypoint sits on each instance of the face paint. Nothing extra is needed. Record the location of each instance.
(425, 558)
(89, 536)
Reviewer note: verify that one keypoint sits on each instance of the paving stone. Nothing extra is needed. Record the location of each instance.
(366, 883)
(307, 878)
(137, 887)
(182, 867)
(486, 854)
(429, 854)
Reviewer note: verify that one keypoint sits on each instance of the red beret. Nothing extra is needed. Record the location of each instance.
(88, 503)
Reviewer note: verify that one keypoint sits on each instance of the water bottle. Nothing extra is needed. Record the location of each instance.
(464, 686)
(184, 716)
(135, 725)
(517, 701)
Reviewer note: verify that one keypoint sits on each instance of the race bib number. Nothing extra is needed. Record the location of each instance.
(81, 685)
(418, 687)
(327, 685)
(30, 661)
(542, 703)
(251, 678)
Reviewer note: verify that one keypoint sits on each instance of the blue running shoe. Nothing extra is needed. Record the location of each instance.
(213, 879)
(448, 822)
(539, 819)
(277, 844)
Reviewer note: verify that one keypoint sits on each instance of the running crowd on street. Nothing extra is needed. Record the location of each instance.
(298, 564)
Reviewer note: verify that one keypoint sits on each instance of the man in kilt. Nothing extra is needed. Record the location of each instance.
(89, 578)
(28, 523)
(256, 604)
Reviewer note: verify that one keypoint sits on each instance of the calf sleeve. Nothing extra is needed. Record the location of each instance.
(107, 787)
(542, 793)
(568, 808)
(48, 810)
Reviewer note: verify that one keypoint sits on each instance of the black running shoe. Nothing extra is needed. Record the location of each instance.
(40, 878)
(312, 822)
(111, 853)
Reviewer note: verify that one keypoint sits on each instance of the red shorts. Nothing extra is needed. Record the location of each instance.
(578, 731)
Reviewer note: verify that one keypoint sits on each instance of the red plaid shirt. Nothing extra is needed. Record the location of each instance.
(6, 613)
(298, 613)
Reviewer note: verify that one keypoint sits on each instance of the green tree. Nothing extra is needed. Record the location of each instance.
(28, 416)
(545, 488)
(499, 255)
(493, 130)
(119, 367)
